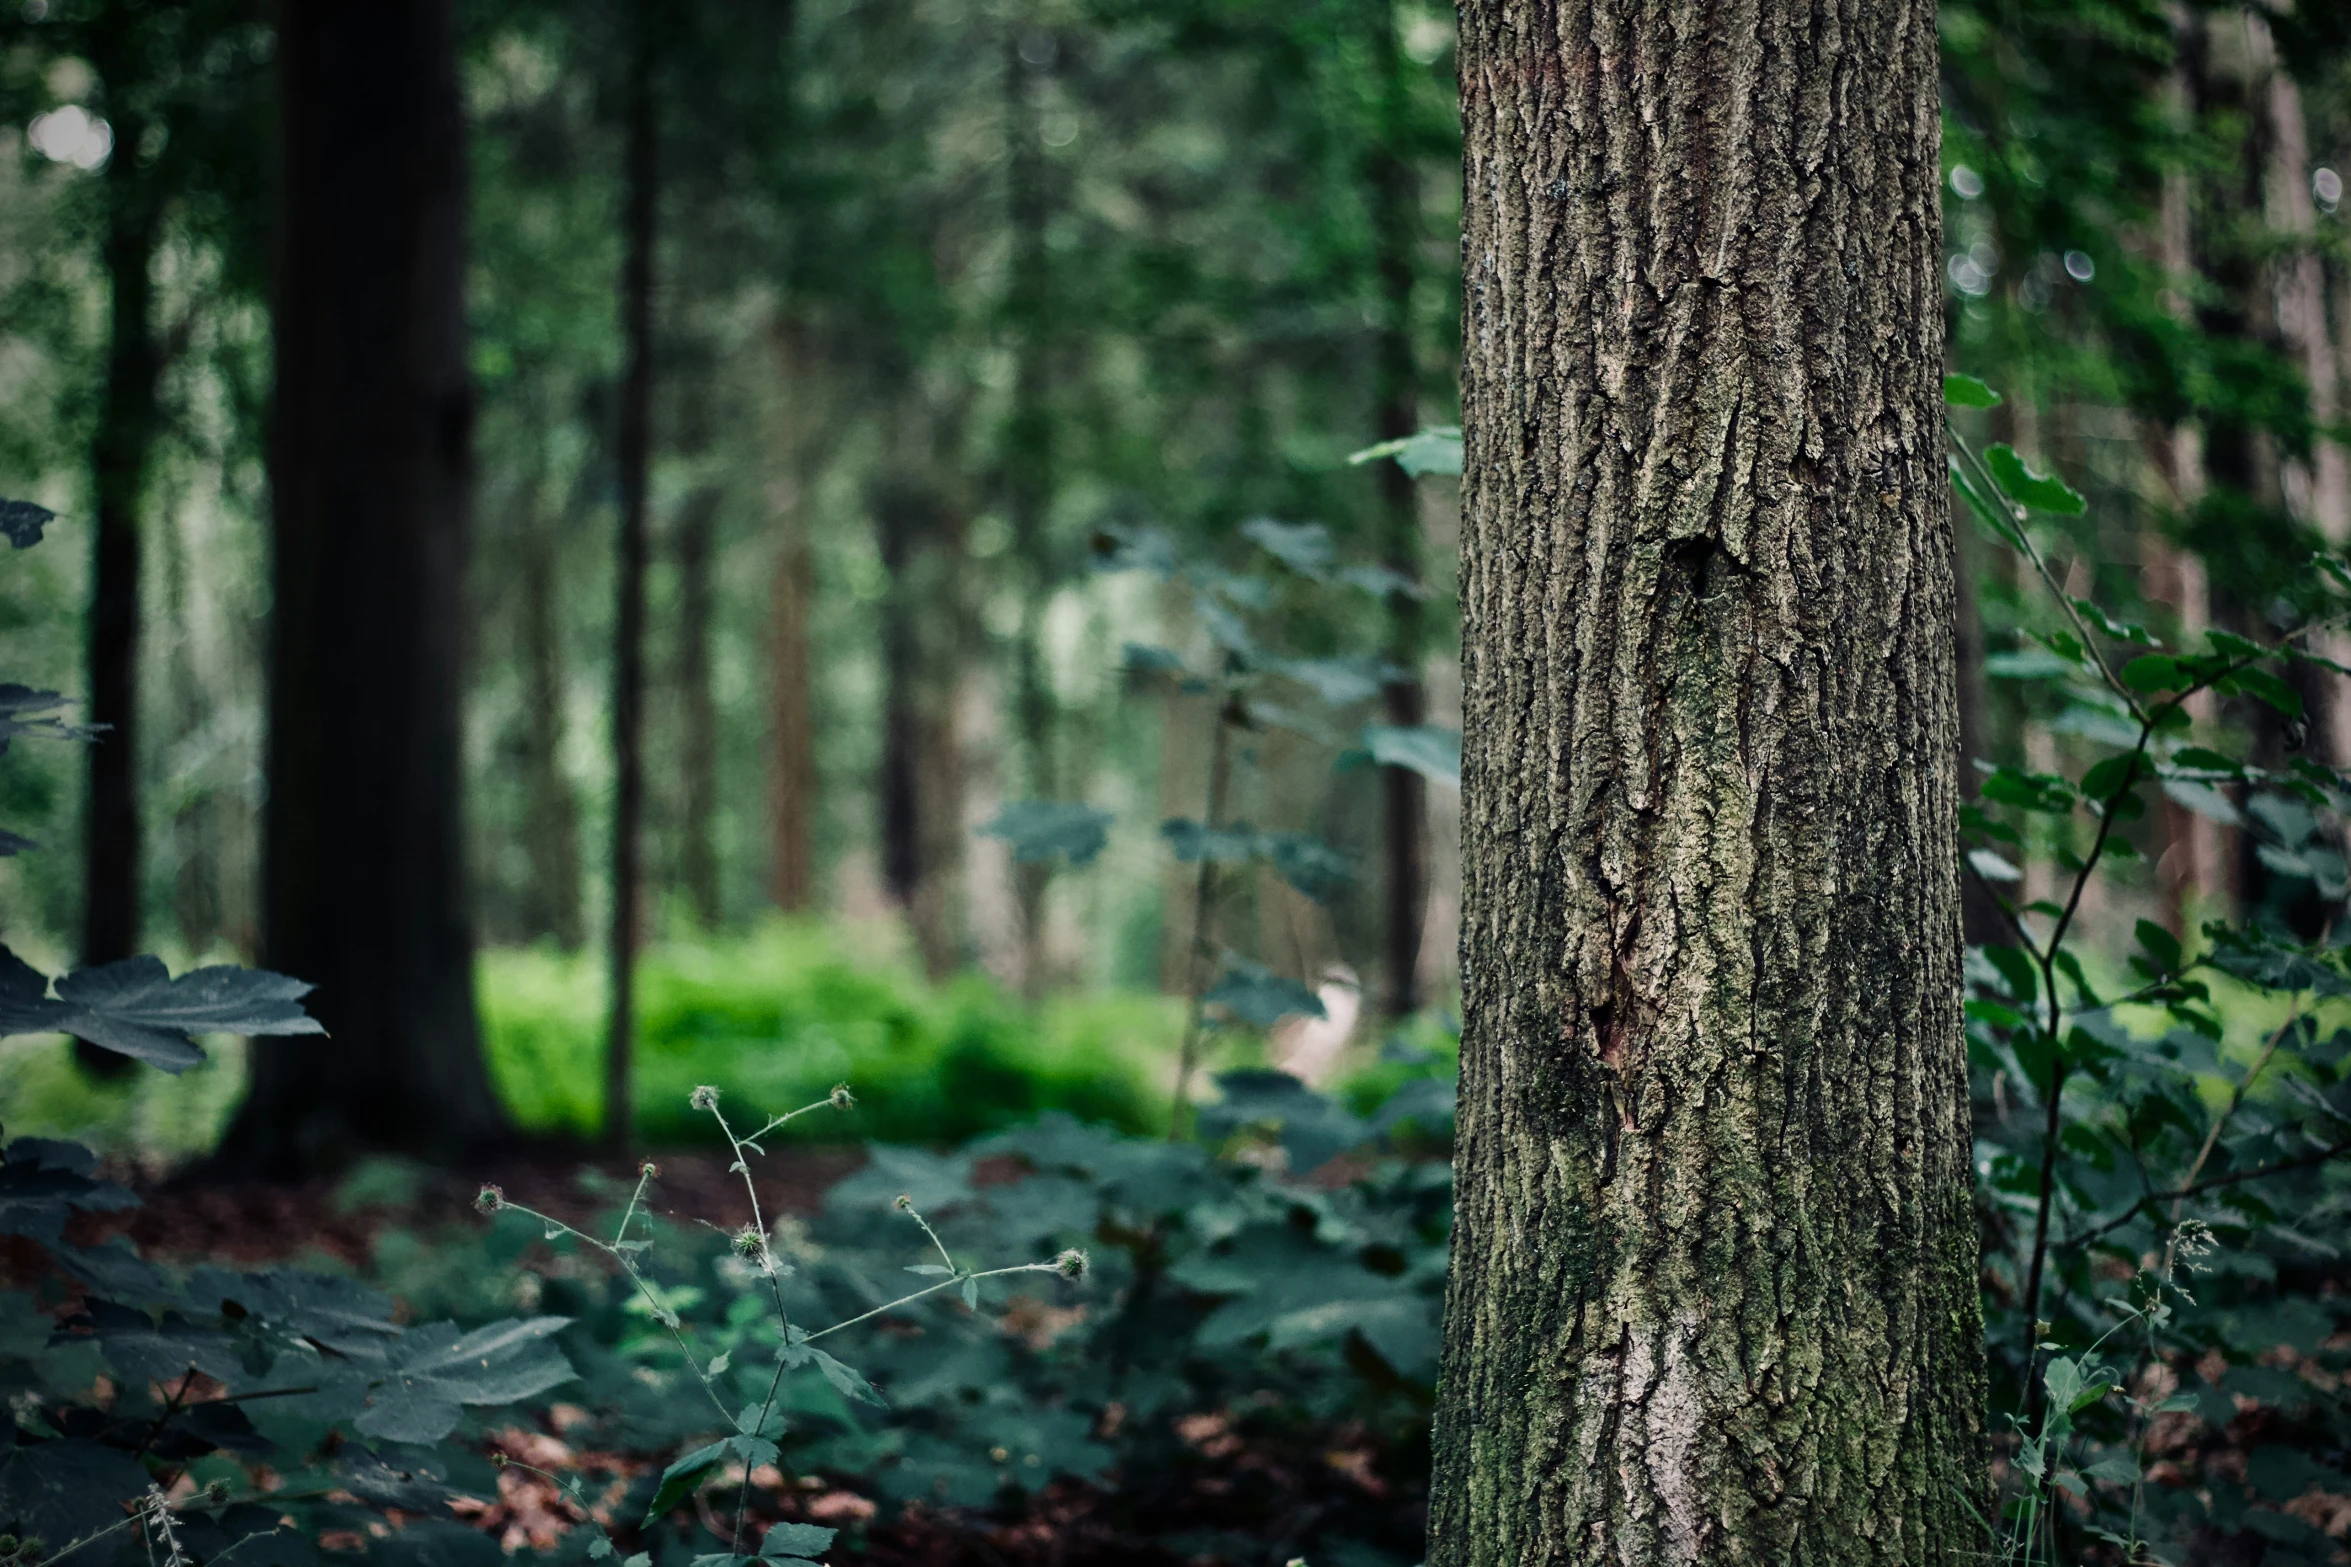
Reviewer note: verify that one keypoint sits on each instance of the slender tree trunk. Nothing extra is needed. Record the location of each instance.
(697, 527)
(635, 453)
(552, 835)
(1028, 460)
(370, 468)
(1713, 1295)
(923, 646)
(792, 773)
(1404, 829)
(2318, 490)
(2190, 864)
(119, 458)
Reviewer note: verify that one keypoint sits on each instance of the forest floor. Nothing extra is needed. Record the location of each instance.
(1240, 1497)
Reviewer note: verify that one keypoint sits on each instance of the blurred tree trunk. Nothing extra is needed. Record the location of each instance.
(2189, 864)
(792, 774)
(923, 635)
(1395, 209)
(552, 835)
(697, 530)
(1028, 458)
(370, 469)
(2318, 489)
(1713, 1295)
(120, 453)
(634, 454)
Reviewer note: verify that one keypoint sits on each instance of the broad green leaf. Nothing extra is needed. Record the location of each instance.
(21, 522)
(2113, 775)
(1261, 998)
(796, 1539)
(679, 1479)
(1991, 867)
(2160, 945)
(2042, 492)
(38, 715)
(1304, 547)
(1308, 864)
(1434, 450)
(2154, 672)
(2120, 630)
(2266, 687)
(1432, 752)
(2017, 968)
(1965, 391)
(136, 1008)
(1050, 829)
(434, 1371)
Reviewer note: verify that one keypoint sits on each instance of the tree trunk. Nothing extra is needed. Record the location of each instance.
(370, 469)
(635, 454)
(119, 457)
(697, 527)
(1404, 827)
(791, 714)
(552, 836)
(1028, 460)
(2190, 864)
(1713, 1295)
(923, 645)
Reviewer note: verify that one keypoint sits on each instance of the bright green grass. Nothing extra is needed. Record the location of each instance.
(773, 1018)
(776, 1017)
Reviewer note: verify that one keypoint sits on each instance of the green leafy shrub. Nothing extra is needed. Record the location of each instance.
(779, 1015)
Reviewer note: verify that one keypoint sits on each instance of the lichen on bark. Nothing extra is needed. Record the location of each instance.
(1713, 1295)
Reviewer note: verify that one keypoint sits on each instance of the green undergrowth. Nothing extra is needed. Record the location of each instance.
(780, 1014)
(775, 1015)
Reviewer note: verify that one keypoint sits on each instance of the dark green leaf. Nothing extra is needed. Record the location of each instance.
(1432, 752)
(1304, 547)
(1051, 829)
(1261, 998)
(2154, 672)
(2161, 946)
(2042, 492)
(21, 522)
(1434, 450)
(434, 1370)
(796, 1539)
(136, 1008)
(1965, 391)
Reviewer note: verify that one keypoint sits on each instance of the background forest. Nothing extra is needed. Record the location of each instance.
(943, 582)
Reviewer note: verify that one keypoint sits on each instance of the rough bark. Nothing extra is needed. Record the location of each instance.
(120, 453)
(1713, 1293)
(634, 452)
(1404, 792)
(370, 470)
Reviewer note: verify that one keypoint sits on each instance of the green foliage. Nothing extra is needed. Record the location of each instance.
(780, 1014)
(2158, 1147)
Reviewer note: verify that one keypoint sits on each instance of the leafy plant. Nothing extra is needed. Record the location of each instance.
(2130, 1123)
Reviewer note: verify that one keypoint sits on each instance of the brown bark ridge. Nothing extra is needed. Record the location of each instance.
(370, 472)
(1713, 1294)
